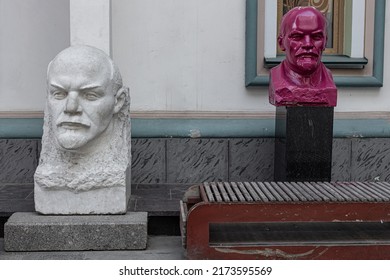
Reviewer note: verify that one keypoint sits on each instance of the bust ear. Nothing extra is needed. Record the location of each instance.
(120, 98)
(325, 41)
(280, 42)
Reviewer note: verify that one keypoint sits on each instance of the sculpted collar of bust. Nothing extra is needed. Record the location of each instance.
(303, 38)
(85, 92)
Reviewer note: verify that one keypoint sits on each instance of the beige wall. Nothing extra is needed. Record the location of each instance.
(31, 33)
(189, 55)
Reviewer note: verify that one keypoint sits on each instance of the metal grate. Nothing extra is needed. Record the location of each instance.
(296, 191)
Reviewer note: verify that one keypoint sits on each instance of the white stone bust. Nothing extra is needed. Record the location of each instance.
(86, 139)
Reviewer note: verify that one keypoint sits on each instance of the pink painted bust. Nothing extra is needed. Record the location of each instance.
(302, 79)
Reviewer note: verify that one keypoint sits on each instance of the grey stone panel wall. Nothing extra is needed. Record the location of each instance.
(148, 161)
(22, 198)
(18, 160)
(197, 160)
(371, 159)
(174, 160)
(341, 159)
(251, 159)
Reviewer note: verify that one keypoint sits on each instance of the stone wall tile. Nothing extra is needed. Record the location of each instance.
(341, 159)
(251, 159)
(371, 159)
(197, 160)
(148, 161)
(18, 160)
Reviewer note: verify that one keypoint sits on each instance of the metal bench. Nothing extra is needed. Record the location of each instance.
(275, 220)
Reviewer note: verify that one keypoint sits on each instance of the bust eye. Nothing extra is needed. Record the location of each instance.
(317, 37)
(90, 95)
(59, 94)
(296, 37)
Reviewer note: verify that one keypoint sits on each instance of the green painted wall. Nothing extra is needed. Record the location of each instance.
(216, 128)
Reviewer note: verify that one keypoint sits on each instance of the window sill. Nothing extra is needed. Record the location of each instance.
(331, 61)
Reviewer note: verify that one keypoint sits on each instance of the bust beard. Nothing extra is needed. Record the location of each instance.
(85, 169)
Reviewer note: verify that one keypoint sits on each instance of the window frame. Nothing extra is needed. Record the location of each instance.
(252, 78)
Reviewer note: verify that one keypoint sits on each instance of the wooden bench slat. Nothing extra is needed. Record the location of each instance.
(337, 192)
(230, 191)
(297, 191)
(325, 190)
(237, 191)
(273, 191)
(383, 187)
(318, 192)
(378, 191)
(386, 184)
(346, 192)
(303, 191)
(365, 191)
(262, 195)
(223, 192)
(264, 189)
(216, 193)
(245, 192)
(364, 196)
(289, 192)
(308, 191)
(209, 193)
(252, 192)
(356, 196)
(281, 192)
(369, 193)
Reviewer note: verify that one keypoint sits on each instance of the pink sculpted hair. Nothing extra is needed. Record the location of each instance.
(292, 14)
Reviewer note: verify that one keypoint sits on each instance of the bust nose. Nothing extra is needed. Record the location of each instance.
(72, 105)
(307, 42)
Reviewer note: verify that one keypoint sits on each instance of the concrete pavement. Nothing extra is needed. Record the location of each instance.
(159, 248)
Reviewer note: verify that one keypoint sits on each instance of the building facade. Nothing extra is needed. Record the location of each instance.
(197, 72)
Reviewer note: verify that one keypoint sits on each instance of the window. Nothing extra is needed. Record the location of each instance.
(355, 57)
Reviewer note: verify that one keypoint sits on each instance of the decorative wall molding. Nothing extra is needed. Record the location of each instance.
(207, 115)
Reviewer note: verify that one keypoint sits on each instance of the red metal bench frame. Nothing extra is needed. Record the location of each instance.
(198, 212)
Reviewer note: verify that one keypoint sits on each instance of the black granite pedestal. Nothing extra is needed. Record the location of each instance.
(303, 143)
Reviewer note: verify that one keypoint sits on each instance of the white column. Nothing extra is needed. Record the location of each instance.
(358, 23)
(90, 23)
(270, 28)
